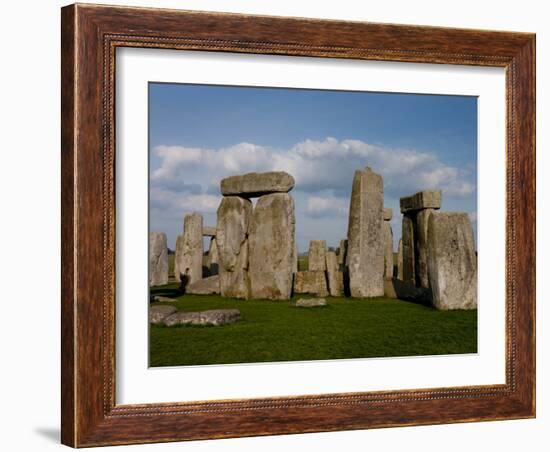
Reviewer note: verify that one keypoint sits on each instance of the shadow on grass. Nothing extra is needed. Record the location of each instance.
(164, 291)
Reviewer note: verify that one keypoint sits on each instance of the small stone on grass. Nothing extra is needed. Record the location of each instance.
(311, 302)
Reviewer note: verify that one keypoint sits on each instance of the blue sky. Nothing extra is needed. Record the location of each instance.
(199, 134)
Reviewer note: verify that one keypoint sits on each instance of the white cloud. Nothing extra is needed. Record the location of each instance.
(316, 165)
(182, 202)
(318, 206)
(186, 179)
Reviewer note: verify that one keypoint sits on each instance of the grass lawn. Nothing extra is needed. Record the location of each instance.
(279, 331)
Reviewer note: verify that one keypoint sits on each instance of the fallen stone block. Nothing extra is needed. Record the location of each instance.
(213, 317)
(311, 302)
(162, 299)
(157, 314)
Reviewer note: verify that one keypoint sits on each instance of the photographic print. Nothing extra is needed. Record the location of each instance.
(298, 224)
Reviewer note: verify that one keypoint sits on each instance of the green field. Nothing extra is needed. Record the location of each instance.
(279, 331)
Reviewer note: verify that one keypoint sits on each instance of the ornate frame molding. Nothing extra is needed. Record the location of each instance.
(90, 36)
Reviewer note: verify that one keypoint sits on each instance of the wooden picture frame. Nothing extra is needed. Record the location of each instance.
(90, 36)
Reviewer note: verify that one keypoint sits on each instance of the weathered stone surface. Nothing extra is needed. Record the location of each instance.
(334, 276)
(189, 250)
(295, 258)
(452, 261)
(271, 243)
(160, 298)
(206, 286)
(387, 214)
(213, 260)
(428, 199)
(213, 317)
(408, 239)
(342, 253)
(313, 282)
(209, 231)
(158, 259)
(234, 214)
(421, 248)
(400, 260)
(388, 249)
(311, 302)
(178, 256)
(257, 184)
(365, 256)
(395, 288)
(157, 314)
(316, 255)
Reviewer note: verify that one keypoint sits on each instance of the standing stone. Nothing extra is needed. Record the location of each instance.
(407, 238)
(334, 276)
(421, 248)
(316, 255)
(189, 249)
(271, 242)
(178, 256)
(452, 261)
(231, 241)
(158, 259)
(213, 260)
(295, 258)
(252, 185)
(342, 254)
(416, 210)
(365, 257)
(312, 282)
(388, 243)
(400, 260)
(388, 249)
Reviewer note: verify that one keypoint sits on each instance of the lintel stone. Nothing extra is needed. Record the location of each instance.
(252, 185)
(209, 231)
(428, 199)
